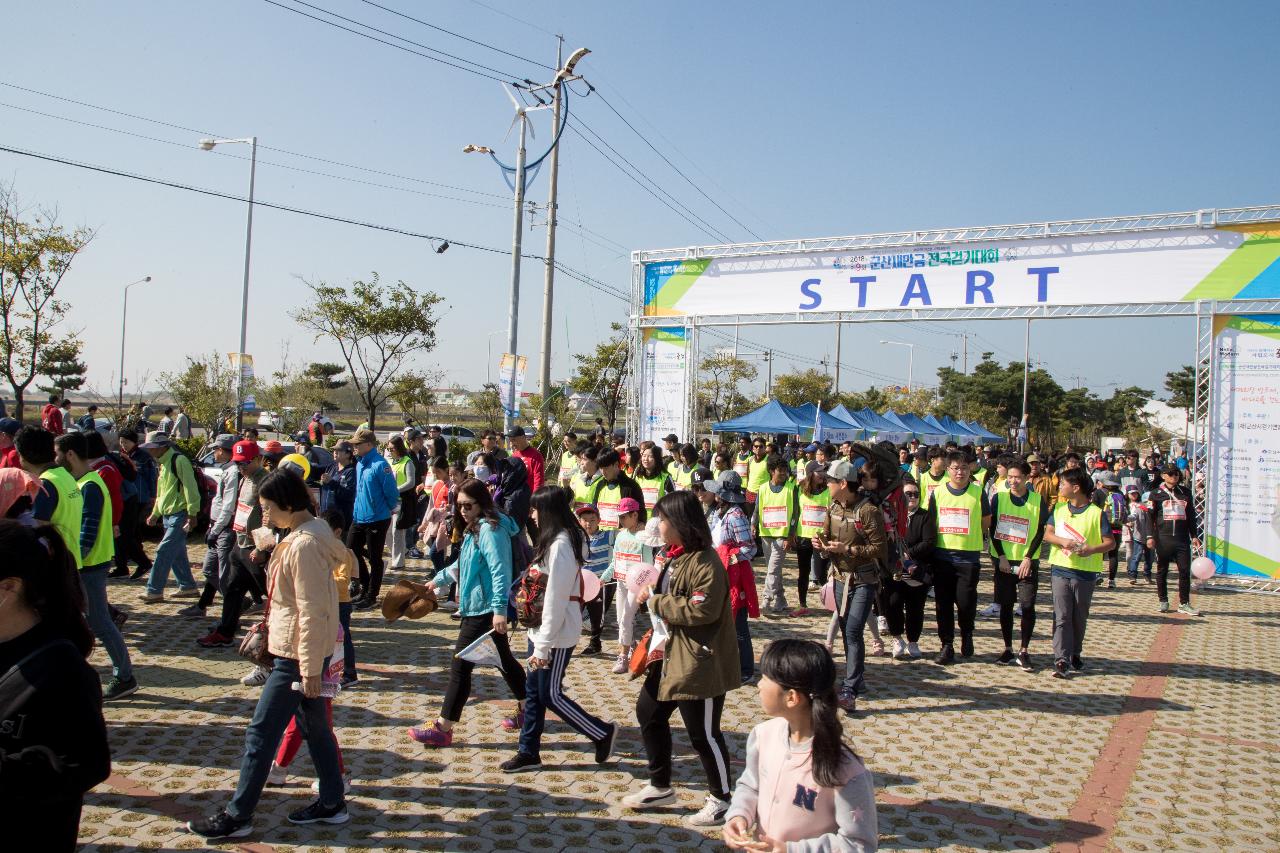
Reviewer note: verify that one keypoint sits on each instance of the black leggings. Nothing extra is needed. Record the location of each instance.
(470, 629)
(904, 608)
(596, 608)
(370, 538)
(813, 568)
(1180, 552)
(129, 542)
(1009, 587)
(702, 722)
(245, 578)
(1113, 556)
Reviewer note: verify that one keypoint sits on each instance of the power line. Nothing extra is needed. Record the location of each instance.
(457, 35)
(505, 14)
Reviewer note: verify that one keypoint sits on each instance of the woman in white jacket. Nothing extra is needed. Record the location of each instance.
(558, 555)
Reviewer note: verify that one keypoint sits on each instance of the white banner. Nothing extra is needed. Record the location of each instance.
(511, 369)
(1243, 528)
(663, 400)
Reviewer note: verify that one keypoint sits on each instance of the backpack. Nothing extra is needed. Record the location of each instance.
(201, 490)
(128, 471)
(531, 595)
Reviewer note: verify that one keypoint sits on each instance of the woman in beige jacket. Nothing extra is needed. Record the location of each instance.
(302, 623)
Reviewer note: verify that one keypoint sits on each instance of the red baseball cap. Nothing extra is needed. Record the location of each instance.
(273, 446)
(245, 451)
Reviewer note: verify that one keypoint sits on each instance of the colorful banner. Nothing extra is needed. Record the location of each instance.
(1186, 264)
(511, 369)
(663, 401)
(1243, 527)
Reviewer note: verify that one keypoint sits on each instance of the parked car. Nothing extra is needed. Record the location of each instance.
(321, 457)
(454, 433)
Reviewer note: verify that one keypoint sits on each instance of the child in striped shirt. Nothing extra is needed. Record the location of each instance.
(599, 555)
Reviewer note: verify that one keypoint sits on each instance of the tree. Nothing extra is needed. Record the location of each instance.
(992, 395)
(206, 388)
(409, 391)
(487, 404)
(325, 375)
(601, 373)
(35, 256)
(377, 328)
(800, 387)
(1181, 385)
(291, 394)
(918, 401)
(720, 391)
(60, 363)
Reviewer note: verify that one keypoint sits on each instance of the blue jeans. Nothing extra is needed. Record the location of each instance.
(171, 553)
(348, 646)
(1136, 553)
(746, 654)
(544, 689)
(278, 704)
(94, 582)
(857, 609)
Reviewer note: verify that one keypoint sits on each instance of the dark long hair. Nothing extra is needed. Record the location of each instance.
(479, 493)
(683, 511)
(806, 667)
(50, 585)
(555, 516)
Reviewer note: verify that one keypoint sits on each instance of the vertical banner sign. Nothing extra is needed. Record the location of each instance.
(1243, 529)
(663, 395)
(511, 370)
(242, 362)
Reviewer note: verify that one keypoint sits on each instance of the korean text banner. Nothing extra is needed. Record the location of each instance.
(1230, 262)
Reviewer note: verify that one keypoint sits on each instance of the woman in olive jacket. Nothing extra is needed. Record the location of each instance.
(700, 661)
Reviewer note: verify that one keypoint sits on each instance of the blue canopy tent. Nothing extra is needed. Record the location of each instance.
(981, 431)
(845, 415)
(772, 417)
(925, 432)
(835, 427)
(943, 430)
(892, 417)
(884, 430)
(963, 434)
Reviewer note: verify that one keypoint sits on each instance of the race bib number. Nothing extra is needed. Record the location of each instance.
(741, 469)
(774, 517)
(1012, 529)
(623, 564)
(1175, 510)
(953, 520)
(241, 520)
(608, 514)
(650, 496)
(813, 515)
(929, 489)
(1072, 533)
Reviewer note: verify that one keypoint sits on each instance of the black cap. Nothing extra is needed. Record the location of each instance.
(671, 437)
(516, 432)
(699, 475)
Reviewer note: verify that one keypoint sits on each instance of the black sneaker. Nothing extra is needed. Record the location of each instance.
(1060, 668)
(1024, 661)
(140, 573)
(317, 813)
(354, 589)
(194, 611)
(966, 647)
(592, 649)
(522, 763)
(118, 573)
(1077, 663)
(365, 603)
(604, 746)
(349, 679)
(1006, 657)
(119, 617)
(117, 689)
(947, 656)
(220, 825)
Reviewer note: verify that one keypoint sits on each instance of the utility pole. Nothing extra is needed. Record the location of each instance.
(768, 382)
(837, 378)
(1026, 379)
(513, 310)
(965, 336)
(548, 286)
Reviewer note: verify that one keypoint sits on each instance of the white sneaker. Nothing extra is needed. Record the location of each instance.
(649, 797)
(256, 677)
(622, 663)
(1017, 610)
(711, 814)
(448, 606)
(883, 624)
(278, 775)
(991, 611)
(346, 784)
(913, 649)
(899, 648)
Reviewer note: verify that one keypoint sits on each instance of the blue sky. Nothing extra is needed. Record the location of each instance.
(810, 120)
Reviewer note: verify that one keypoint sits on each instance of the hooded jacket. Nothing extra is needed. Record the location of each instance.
(513, 492)
(483, 568)
(302, 618)
(376, 493)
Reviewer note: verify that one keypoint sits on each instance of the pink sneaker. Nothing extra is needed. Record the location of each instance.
(433, 736)
(515, 722)
(877, 648)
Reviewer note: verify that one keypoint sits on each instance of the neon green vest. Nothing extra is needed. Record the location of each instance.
(757, 475)
(1086, 527)
(607, 505)
(104, 546)
(654, 488)
(1015, 525)
(742, 465)
(581, 486)
(66, 517)
(568, 465)
(681, 476)
(775, 510)
(959, 518)
(928, 485)
(813, 512)
(400, 467)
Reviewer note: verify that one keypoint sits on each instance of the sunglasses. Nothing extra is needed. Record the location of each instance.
(757, 446)
(466, 505)
(911, 494)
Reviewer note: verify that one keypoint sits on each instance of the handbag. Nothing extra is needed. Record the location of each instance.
(255, 645)
(640, 656)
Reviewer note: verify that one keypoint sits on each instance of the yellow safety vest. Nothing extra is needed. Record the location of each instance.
(66, 515)
(930, 485)
(1084, 526)
(959, 518)
(757, 476)
(1015, 525)
(654, 488)
(813, 512)
(104, 545)
(742, 465)
(581, 486)
(776, 510)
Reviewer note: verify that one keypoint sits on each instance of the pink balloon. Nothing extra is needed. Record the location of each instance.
(1203, 568)
(590, 585)
(828, 596)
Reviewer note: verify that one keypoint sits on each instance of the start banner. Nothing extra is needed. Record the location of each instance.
(1185, 264)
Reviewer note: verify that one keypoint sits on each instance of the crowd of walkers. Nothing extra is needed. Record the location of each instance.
(663, 537)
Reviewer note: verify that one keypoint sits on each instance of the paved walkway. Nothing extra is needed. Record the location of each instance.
(1167, 742)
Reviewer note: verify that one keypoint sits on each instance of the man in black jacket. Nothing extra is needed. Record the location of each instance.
(1175, 530)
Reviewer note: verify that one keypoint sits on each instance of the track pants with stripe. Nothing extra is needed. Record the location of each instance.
(701, 720)
(544, 688)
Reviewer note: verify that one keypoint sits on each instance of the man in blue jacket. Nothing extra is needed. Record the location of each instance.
(376, 498)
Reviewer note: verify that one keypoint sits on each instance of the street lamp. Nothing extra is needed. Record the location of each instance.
(124, 316)
(252, 142)
(911, 358)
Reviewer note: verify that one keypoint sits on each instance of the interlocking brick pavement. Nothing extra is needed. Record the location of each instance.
(1167, 742)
